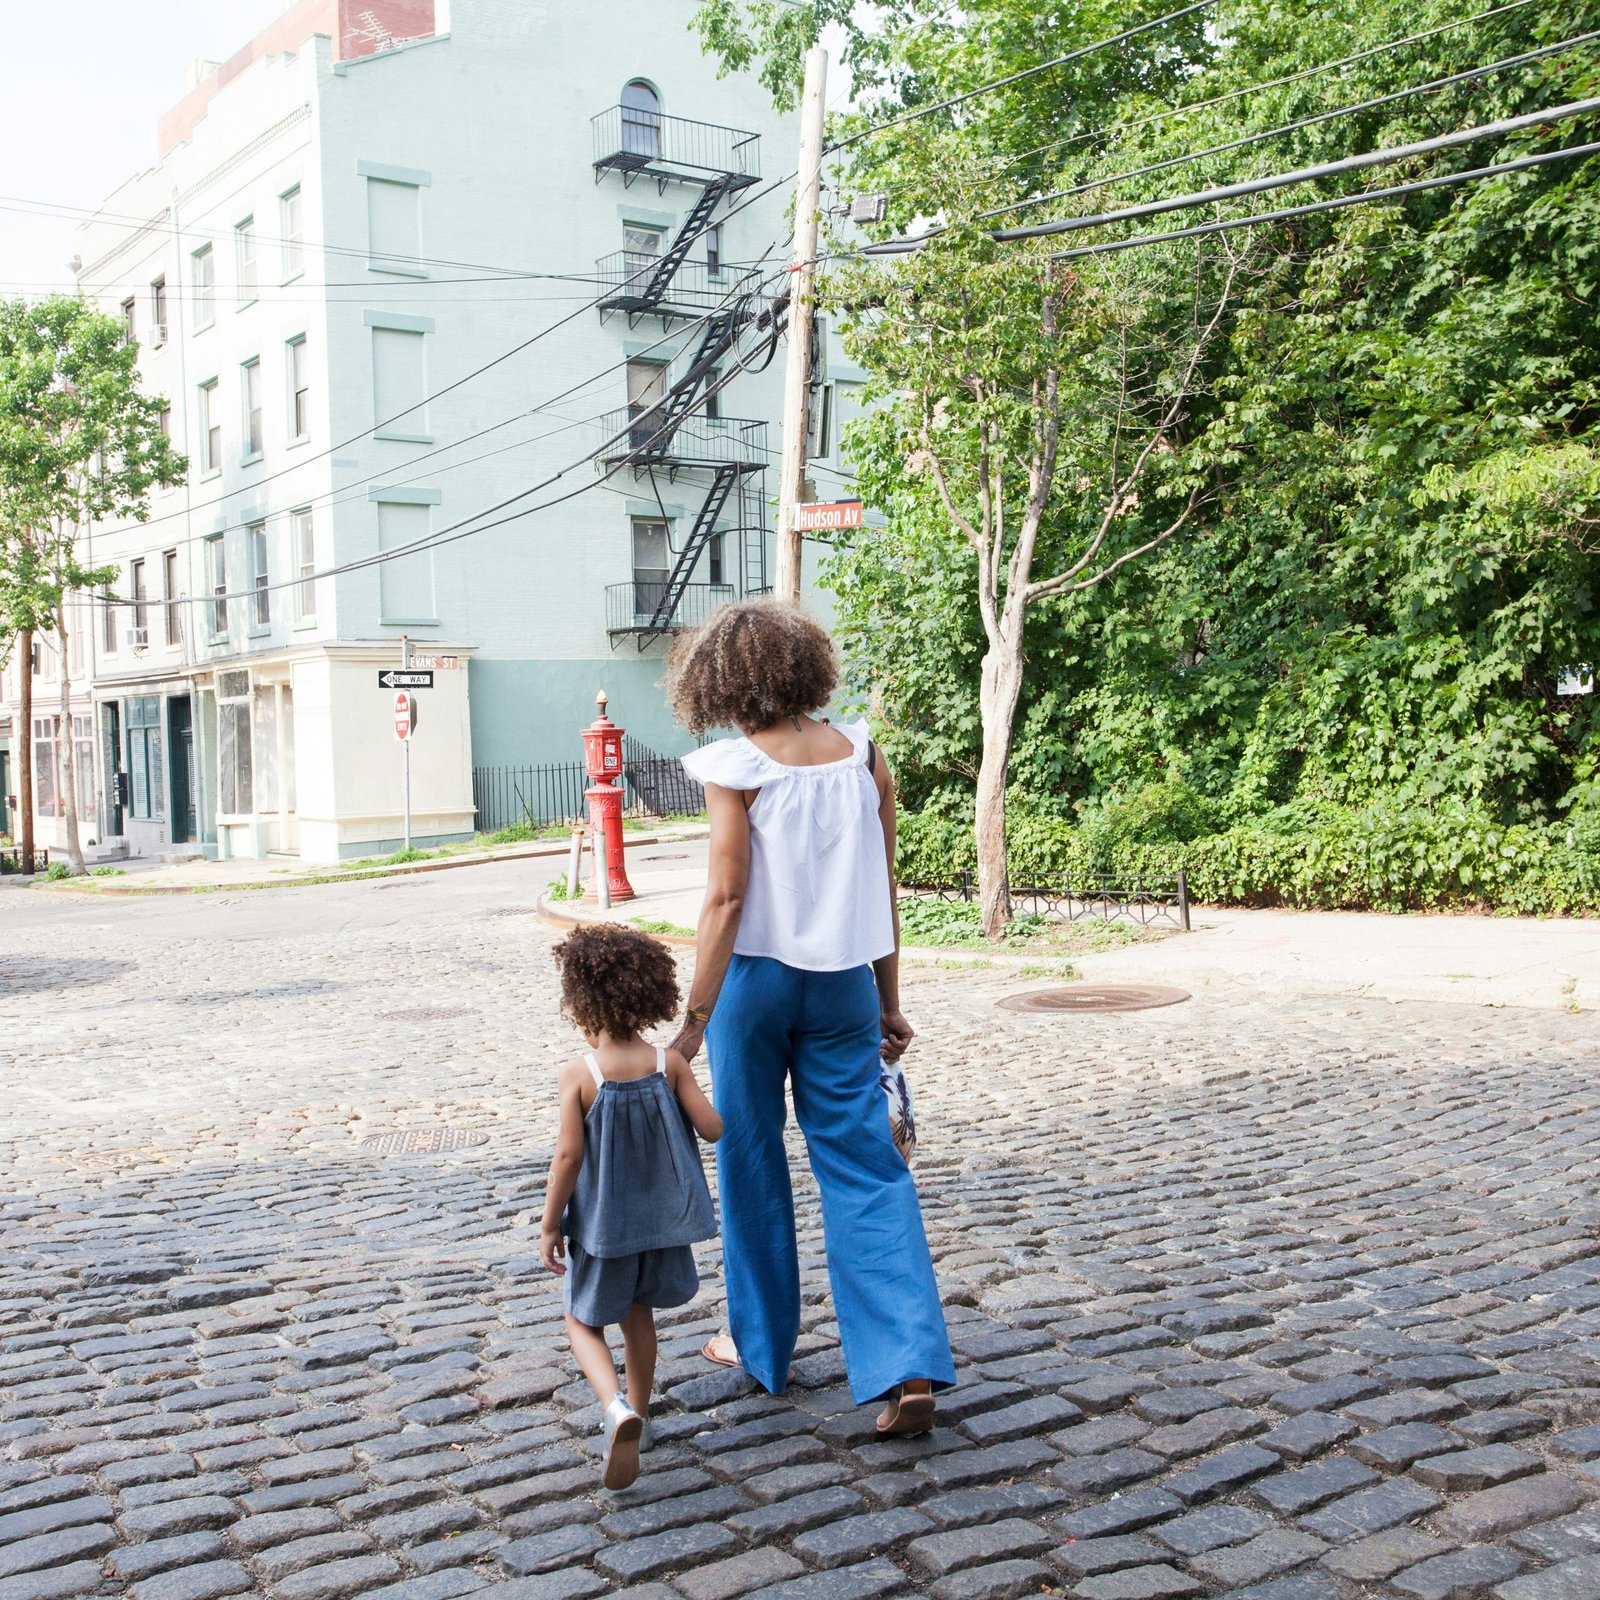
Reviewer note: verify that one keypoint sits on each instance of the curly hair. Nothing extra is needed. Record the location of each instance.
(616, 980)
(750, 665)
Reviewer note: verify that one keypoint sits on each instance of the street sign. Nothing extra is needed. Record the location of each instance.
(394, 678)
(405, 715)
(827, 514)
(437, 663)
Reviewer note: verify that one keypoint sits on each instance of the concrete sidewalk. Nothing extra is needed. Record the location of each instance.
(1550, 963)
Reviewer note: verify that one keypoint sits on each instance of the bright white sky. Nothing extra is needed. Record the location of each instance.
(81, 86)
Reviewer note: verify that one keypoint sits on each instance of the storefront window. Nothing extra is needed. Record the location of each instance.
(83, 743)
(144, 757)
(235, 769)
(46, 796)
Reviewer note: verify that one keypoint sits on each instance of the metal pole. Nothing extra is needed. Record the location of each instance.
(405, 663)
(602, 869)
(797, 368)
(575, 863)
(1183, 899)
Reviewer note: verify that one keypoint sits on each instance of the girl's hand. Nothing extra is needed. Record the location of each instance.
(897, 1036)
(553, 1248)
(689, 1039)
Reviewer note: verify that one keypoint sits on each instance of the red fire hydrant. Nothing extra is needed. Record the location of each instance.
(602, 752)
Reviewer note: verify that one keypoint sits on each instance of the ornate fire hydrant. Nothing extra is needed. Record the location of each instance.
(602, 751)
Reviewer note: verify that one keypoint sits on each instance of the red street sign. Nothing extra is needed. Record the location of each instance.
(827, 514)
(405, 715)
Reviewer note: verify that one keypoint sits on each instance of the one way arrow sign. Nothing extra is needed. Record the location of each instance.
(395, 679)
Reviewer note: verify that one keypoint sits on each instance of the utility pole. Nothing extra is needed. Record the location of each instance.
(797, 368)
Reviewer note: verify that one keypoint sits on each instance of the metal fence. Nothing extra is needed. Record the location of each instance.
(13, 854)
(658, 783)
(1149, 901)
(635, 140)
(634, 605)
(653, 786)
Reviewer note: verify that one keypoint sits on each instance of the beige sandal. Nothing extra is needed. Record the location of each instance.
(910, 1409)
(720, 1350)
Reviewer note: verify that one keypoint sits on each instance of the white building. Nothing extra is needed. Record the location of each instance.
(348, 272)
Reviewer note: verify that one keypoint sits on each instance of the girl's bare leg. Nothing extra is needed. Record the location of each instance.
(594, 1356)
(639, 1356)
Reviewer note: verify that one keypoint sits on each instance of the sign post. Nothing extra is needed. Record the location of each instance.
(405, 739)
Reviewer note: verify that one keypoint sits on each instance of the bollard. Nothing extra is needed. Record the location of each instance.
(602, 877)
(575, 862)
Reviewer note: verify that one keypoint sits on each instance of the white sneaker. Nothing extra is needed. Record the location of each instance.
(624, 1428)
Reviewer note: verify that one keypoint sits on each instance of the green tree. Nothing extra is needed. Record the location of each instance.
(79, 442)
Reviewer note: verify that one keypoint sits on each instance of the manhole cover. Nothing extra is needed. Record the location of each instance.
(422, 1139)
(429, 1014)
(684, 856)
(1095, 997)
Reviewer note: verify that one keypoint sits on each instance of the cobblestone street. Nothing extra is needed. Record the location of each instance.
(1266, 1295)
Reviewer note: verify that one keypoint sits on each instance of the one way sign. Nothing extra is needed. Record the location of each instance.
(393, 678)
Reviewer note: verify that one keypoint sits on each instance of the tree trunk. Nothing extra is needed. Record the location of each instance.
(998, 694)
(67, 755)
(25, 751)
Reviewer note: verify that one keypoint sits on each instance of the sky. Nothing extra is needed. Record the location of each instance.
(81, 86)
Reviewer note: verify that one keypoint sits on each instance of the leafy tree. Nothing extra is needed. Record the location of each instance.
(79, 442)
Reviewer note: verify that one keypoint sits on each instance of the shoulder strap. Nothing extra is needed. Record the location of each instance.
(661, 1059)
(594, 1070)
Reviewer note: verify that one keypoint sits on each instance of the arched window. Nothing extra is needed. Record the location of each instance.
(641, 119)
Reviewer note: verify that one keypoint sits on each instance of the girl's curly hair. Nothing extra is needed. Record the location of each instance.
(750, 665)
(616, 980)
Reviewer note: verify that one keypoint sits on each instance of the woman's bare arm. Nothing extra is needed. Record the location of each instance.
(723, 907)
(897, 1032)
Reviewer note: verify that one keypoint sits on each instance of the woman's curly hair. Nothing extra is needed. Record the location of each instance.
(616, 980)
(750, 665)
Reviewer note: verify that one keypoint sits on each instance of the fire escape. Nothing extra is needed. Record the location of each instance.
(680, 437)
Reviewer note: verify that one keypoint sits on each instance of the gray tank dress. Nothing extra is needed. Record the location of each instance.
(640, 1201)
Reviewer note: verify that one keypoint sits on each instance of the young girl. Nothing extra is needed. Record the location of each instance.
(626, 1195)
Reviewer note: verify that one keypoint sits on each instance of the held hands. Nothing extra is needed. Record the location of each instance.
(897, 1036)
(553, 1248)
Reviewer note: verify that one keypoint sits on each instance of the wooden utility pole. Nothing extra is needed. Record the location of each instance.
(797, 369)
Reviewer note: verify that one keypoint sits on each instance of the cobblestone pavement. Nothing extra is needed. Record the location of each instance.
(1263, 1295)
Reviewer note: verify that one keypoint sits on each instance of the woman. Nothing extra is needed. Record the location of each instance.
(797, 976)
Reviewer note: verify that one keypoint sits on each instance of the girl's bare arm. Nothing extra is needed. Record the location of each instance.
(564, 1167)
(704, 1117)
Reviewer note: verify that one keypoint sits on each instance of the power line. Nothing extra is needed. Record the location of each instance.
(1280, 180)
(1305, 122)
(1398, 191)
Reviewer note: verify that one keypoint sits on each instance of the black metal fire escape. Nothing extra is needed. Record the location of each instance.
(675, 435)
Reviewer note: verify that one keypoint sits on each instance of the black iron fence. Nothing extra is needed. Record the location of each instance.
(658, 783)
(538, 796)
(13, 855)
(1149, 901)
(628, 274)
(633, 139)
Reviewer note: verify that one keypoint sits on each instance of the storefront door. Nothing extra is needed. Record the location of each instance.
(180, 763)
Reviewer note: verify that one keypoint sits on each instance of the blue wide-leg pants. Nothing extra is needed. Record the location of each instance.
(821, 1031)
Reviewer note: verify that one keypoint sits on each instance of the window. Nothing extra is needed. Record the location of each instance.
(262, 602)
(164, 422)
(129, 335)
(235, 770)
(210, 429)
(289, 225)
(142, 718)
(158, 312)
(641, 119)
(647, 385)
(83, 772)
(75, 623)
(169, 594)
(714, 552)
(714, 395)
(108, 622)
(641, 254)
(305, 563)
(250, 393)
(652, 558)
(217, 584)
(141, 619)
(205, 287)
(299, 389)
(244, 245)
(394, 226)
(405, 584)
(714, 249)
(46, 795)
(399, 384)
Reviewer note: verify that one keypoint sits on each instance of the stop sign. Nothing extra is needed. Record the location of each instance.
(405, 715)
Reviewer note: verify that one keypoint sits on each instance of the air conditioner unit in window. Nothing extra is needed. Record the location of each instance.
(158, 334)
(138, 638)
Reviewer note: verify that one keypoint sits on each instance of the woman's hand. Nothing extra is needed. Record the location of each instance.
(553, 1247)
(688, 1040)
(897, 1036)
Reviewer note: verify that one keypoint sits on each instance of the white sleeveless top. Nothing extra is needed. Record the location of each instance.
(818, 891)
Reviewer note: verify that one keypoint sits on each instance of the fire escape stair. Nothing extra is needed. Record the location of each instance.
(700, 535)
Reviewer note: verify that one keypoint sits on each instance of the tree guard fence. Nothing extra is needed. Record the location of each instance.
(1151, 901)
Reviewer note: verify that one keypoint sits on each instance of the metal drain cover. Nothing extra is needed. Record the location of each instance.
(429, 1014)
(422, 1139)
(1095, 997)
